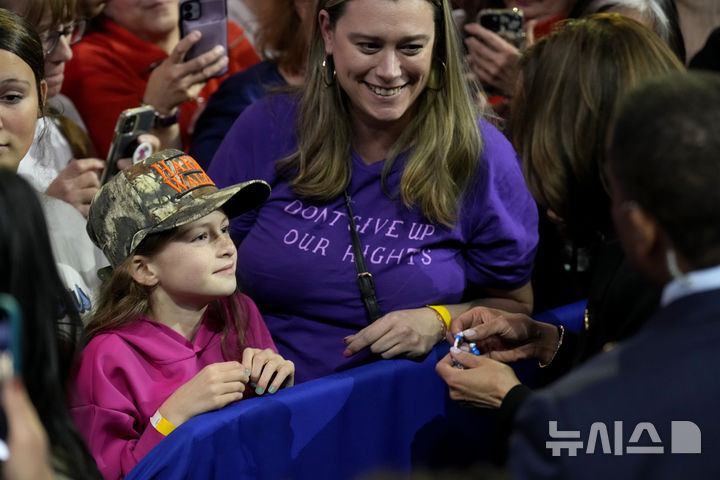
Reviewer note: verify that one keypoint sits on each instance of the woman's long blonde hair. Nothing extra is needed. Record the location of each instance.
(443, 137)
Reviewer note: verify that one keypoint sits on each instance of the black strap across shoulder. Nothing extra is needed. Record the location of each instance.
(364, 278)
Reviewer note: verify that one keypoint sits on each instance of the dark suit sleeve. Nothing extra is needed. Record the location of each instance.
(529, 456)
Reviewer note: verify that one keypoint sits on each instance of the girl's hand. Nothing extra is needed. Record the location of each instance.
(411, 332)
(268, 371)
(212, 388)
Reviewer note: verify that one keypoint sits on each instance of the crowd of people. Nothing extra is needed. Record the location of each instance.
(382, 176)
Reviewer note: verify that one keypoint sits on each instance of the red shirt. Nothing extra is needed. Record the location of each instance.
(110, 69)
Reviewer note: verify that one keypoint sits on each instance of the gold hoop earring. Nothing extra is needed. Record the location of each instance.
(324, 69)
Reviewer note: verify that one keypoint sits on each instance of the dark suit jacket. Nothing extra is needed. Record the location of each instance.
(657, 382)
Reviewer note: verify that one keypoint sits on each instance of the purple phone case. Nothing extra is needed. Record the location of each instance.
(209, 17)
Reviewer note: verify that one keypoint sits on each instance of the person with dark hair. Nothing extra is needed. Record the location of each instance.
(50, 321)
(26, 260)
(654, 394)
(60, 162)
(282, 37)
(24, 86)
(383, 140)
(559, 120)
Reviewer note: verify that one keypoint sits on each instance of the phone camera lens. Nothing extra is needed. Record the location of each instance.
(129, 125)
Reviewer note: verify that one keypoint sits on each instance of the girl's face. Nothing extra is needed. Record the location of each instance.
(198, 264)
(382, 51)
(19, 108)
(541, 9)
(152, 20)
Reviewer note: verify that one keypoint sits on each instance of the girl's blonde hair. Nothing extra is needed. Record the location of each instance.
(122, 300)
(443, 137)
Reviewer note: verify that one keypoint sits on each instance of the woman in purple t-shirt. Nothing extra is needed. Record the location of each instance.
(438, 199)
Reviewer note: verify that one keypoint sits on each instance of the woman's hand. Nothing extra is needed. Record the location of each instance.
(411, 332)
(482, 382)
(176, 81)
(213, 387)
(77, 183)
(492, 59)
(268, 371)
(506, 337)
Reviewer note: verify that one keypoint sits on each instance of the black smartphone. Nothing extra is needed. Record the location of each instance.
(210, 18)
(506, 22)
(131, 123)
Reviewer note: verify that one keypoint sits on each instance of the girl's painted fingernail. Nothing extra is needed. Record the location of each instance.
(259, 390)
(469, 332)
(253, 384)
(247, 372)
(271, 389)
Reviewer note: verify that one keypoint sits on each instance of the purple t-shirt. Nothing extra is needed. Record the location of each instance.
(295, 258)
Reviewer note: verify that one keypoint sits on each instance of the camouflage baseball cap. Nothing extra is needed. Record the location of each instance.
(164, 191)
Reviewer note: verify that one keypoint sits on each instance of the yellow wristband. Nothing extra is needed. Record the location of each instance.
(160, 424)
(442, 313)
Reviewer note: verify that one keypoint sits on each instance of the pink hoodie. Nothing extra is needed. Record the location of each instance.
(126, 374)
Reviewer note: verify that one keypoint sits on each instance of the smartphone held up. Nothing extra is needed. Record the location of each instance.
(209, 17)
(131, 123)
(506, 22)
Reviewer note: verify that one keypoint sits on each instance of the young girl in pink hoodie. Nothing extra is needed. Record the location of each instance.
(172, 337)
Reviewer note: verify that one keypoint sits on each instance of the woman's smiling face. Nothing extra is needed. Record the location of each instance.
(382, 52)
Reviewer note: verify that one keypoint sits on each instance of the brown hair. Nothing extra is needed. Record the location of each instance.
(569, 83)
(281, 36)
(61, 11)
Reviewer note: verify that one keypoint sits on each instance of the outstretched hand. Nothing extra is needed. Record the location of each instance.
(482, 382)
(411, 332)
(506, 337)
